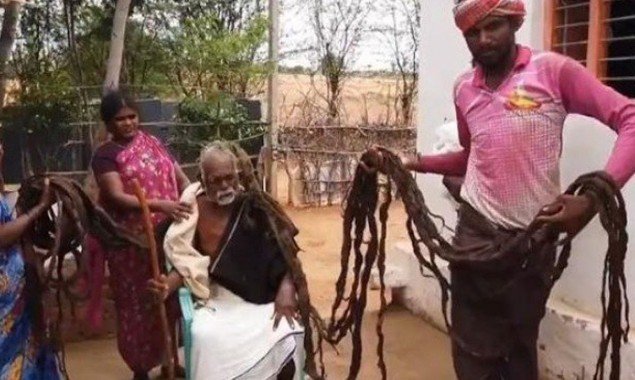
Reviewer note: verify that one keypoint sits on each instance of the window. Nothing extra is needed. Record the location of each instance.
(571, 29)
(598, 33)
(620, 55)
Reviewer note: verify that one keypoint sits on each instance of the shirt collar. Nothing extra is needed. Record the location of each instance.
(522, 60)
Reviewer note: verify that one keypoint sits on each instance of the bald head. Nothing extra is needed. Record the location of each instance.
(219, 173)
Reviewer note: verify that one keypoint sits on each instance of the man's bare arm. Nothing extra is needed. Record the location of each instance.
(286, 303)
(287, 284)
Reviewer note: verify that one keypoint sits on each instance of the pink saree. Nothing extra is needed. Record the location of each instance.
(138, 326)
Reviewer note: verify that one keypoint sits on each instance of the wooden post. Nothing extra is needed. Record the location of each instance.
(549, 27)
(148, 228)
(272, 100)
(596, 50)
(7, 41)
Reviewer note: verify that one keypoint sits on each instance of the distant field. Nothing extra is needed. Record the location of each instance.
(364, 98)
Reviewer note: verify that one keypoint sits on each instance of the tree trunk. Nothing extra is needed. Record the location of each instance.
(7, 39)
(117, 41)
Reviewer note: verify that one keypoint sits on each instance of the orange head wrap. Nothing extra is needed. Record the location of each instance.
(468, 13)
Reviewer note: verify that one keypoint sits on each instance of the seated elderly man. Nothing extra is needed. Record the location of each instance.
(225, 254)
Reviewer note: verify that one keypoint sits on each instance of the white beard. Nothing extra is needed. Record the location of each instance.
(225, 199)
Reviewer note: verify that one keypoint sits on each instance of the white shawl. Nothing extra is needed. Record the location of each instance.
(179, 247)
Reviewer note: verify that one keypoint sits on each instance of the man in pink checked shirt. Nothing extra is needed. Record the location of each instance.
(510, 110)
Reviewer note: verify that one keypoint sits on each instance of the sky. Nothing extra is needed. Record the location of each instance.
(373, 52)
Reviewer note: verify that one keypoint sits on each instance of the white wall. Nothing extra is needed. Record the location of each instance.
(587, 147)
(443, 57)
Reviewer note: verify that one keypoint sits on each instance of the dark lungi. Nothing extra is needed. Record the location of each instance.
(499, 294)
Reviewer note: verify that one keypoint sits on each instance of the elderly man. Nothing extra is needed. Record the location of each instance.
(226, 256)
(511, 107)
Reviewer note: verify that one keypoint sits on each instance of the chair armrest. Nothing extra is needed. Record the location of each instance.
(187, 316)
(187, 304)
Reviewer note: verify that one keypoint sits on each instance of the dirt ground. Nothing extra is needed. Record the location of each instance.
(413, 349)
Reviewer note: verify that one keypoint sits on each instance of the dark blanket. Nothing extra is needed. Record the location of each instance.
(499, 287)
(250, 263)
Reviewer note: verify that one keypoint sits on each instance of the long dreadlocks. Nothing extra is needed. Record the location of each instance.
(282, 229)
(359, 212)
(359, 216)
(60, 237)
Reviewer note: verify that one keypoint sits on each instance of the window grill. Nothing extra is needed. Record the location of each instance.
(617, 64)
(571, 29)
(598, 33)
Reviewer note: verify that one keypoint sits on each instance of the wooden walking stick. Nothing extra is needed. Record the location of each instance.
(148, 228)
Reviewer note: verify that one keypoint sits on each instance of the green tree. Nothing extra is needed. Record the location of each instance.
(208, 58)
(61, 53)
(144, 65)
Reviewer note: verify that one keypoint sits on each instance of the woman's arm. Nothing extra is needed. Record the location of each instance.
(112, 188)
(106, 171)
(12, 231)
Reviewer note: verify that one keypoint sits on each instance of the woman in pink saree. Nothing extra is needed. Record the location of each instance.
(130, 155)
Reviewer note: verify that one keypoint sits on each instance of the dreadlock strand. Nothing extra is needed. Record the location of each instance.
(422, 229)
(56, 236)
(381, 266)
(359, 209)
(610, 203)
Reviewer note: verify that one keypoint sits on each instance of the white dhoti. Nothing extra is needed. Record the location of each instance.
(234, 339)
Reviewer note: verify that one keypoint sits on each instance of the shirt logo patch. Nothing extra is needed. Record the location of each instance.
(521, 100)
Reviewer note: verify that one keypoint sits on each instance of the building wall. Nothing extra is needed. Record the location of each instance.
(587, 145)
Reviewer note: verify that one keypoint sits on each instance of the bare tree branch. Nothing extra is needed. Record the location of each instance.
(402, 37)
(339, 25)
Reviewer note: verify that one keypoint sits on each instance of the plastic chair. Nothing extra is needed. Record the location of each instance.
(187, 315)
